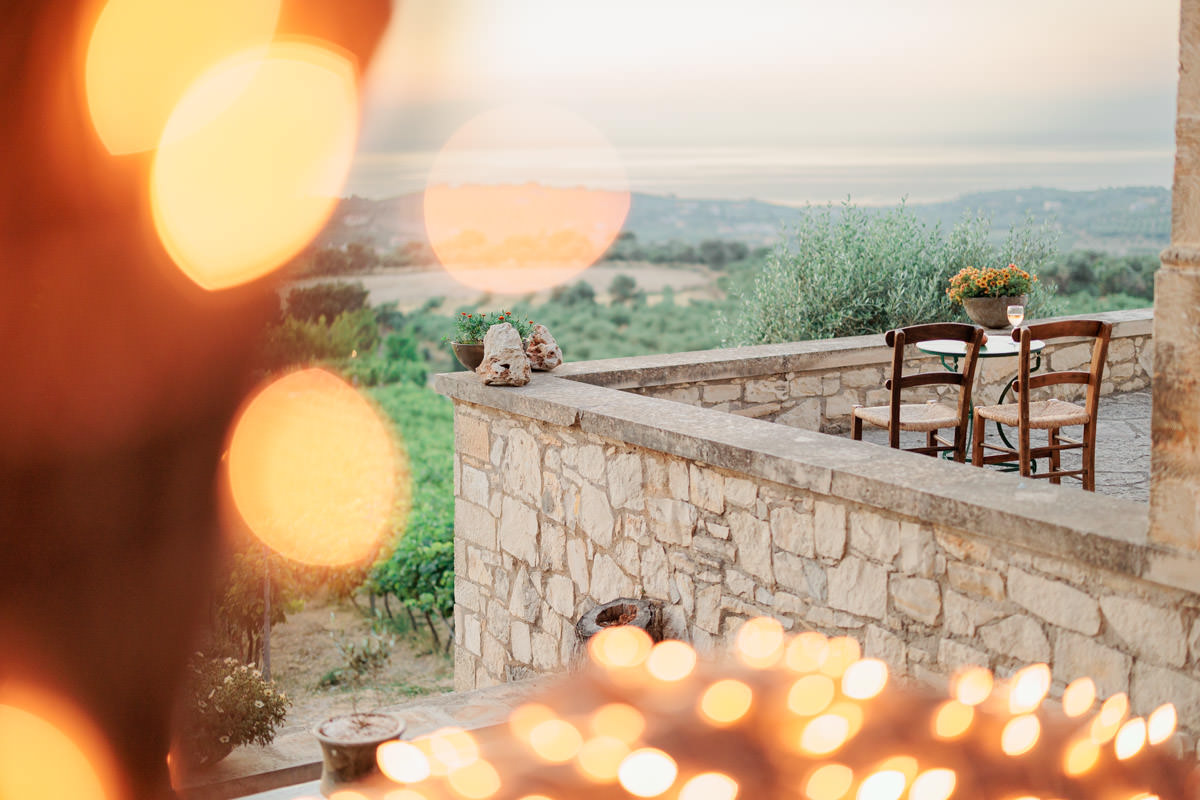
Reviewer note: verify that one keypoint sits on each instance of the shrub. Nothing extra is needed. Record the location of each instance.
(227, 704)
(860, 272)
(326, 300)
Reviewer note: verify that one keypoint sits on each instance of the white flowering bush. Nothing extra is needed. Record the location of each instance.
(228, 704)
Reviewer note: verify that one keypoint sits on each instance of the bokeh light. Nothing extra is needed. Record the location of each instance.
(1080, 756)
(810, 695)
(725, 702)
(864, 679)
(829, 782)
(454, 747)
(601, 756)
(49, 749)
(671, 660)
(709, 786)
(402, 762)
(143, 54)
(252, 161)
(1020, 735)
(972, 686)
(1078, 697)
(527, 716)
(1028, 688)
(1130, 739)
(882, 785)
(933, 784)
(620, 647)
(555, 740)
(824, 734)
(759, 642)
(475, 781)
(952, 719)
(1161, 723)
(1106, 722)
(647, 772)
(523, 198)
(312, 469)
(618, 720)
(843, 651)
(807, 652)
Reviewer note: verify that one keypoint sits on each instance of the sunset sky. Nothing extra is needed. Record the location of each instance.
(861, 82)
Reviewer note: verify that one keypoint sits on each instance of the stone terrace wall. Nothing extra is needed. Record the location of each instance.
(570, 495)
(817, 390)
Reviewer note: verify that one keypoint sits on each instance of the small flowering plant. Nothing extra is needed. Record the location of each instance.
(1009, 281)
(228, 704)
(470, 328)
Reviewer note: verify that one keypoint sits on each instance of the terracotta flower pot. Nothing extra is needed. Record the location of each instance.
(469, 355)
(992, 312)
(348, 745)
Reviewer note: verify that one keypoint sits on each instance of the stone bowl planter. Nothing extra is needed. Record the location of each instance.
(992, 312)
(348, 745)
(469, 355)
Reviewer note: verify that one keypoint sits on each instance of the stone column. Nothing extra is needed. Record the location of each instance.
(1175, 460)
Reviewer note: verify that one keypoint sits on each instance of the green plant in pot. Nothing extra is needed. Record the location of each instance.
(986, 293)
(471, 327)
(227, 704)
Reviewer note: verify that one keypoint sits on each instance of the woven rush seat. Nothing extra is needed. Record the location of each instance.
(929, 416)
(1043, 414)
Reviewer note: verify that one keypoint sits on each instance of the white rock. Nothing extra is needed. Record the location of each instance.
(544, 353)
(504, 359)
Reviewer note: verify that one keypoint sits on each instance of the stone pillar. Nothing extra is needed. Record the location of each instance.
(1175, 460)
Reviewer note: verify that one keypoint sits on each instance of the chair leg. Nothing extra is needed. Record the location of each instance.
(1089, 456)
(977, 440)
(1023, 451)
(1055, 460)
(856, 427)
(931, 441)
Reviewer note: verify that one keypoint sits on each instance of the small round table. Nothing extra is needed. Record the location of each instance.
(996, 347)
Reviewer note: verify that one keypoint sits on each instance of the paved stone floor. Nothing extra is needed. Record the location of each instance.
(1122, 446)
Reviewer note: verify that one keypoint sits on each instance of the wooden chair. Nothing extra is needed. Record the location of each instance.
(1050, 415)
(933, 416)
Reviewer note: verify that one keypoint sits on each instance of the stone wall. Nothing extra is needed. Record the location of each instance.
(820, 397)
(571, 493)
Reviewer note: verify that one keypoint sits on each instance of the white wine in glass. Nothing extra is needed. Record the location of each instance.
(1016, 315)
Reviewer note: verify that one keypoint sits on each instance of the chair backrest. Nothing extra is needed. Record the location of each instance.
(1097, 330)
(899, 338)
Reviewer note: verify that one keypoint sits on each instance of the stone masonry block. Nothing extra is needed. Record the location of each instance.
(859, 587)
(518, 531)
(1076, 656)
(471, 437)
(918, 598)
(474, 524)
(753, 539)
(1019, 637)
(625, 481)
(1055, 602)
(1153, 633)
(596, 516)
(672, 521)
(706, 489)
(608, 581)
(1152, 686)
(793, 531)
(975, 580)
(875, 536)
(740, 492)
(829, 529)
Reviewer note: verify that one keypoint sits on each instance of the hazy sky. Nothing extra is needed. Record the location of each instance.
(1091, 74)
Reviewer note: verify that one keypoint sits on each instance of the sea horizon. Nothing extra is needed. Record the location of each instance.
(797, 176)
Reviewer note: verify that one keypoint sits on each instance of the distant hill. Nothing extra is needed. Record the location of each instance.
(1119, 220)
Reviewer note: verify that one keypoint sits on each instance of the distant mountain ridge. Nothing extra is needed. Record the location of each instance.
(1118, 220)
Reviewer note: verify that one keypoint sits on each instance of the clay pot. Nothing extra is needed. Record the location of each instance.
(469, 355)
(348, 745)
(992, 312)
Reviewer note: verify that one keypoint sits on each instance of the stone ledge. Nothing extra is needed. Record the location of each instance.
(778, 359)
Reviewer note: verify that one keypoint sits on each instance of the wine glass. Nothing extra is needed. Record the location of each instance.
(1016, 315)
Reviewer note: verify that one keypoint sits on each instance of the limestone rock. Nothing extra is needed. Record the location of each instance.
(504, 359)
(544, 353)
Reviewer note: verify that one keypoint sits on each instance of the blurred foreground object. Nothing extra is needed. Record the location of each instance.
(794, 717)
(120, 380)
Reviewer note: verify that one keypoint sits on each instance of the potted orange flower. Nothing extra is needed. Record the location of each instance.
(986, 294)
